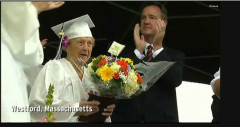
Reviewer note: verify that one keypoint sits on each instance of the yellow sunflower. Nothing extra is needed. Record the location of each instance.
(105, 73)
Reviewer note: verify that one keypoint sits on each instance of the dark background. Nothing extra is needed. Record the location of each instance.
(193, 28)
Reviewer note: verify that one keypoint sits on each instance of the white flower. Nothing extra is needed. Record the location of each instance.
(90, 68)
(123, 77)
(115, 67)
(130, 88)
(133, 76)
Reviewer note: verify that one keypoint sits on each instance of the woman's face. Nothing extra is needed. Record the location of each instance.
(80, 47)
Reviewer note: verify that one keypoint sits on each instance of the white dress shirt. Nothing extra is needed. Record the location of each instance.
(216, 76)
(141, 56)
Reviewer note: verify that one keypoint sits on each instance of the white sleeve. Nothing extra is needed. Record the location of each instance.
(53, 73)
(216, 76)
(13, 89)
(138, 54)
(20, 32)
(32, 73)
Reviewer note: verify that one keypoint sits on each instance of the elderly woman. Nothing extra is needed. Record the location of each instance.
(70, 78)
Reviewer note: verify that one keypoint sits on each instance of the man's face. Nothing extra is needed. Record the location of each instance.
(80, 47)
(148, 20)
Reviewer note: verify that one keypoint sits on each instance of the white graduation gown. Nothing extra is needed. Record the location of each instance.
(69, 90)
(20, 49)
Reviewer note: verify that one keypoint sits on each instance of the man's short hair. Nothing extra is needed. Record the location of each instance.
(160, 6)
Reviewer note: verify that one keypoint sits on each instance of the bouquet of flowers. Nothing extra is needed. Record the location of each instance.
(114, 77)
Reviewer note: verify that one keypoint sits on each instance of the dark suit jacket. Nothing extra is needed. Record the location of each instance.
(158, 104)
(215, 107)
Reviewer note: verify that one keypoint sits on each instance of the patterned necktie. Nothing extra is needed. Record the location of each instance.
(149, 52)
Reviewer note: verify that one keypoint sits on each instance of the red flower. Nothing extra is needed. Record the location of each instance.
(45, 119)
(90, 92)
(125, 72)
(140, 80)
(102, 62)
(123, 65)
(116, 76)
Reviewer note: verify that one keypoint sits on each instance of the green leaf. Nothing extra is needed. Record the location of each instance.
(114, 84)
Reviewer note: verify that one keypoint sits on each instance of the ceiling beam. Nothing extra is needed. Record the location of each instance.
(194, 16)
(202, 57)
(198, 70)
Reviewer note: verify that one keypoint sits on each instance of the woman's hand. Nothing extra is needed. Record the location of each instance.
(45, 6)
(109, 110)
(91, 107)
(44, 42)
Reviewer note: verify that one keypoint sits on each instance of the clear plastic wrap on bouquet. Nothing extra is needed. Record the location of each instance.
(151, 72)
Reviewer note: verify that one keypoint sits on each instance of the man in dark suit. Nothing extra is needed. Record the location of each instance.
(159, 103)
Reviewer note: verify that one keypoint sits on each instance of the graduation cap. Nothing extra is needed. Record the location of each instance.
(78, 27)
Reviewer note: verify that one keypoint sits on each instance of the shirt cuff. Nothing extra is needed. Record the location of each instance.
(138, 54)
